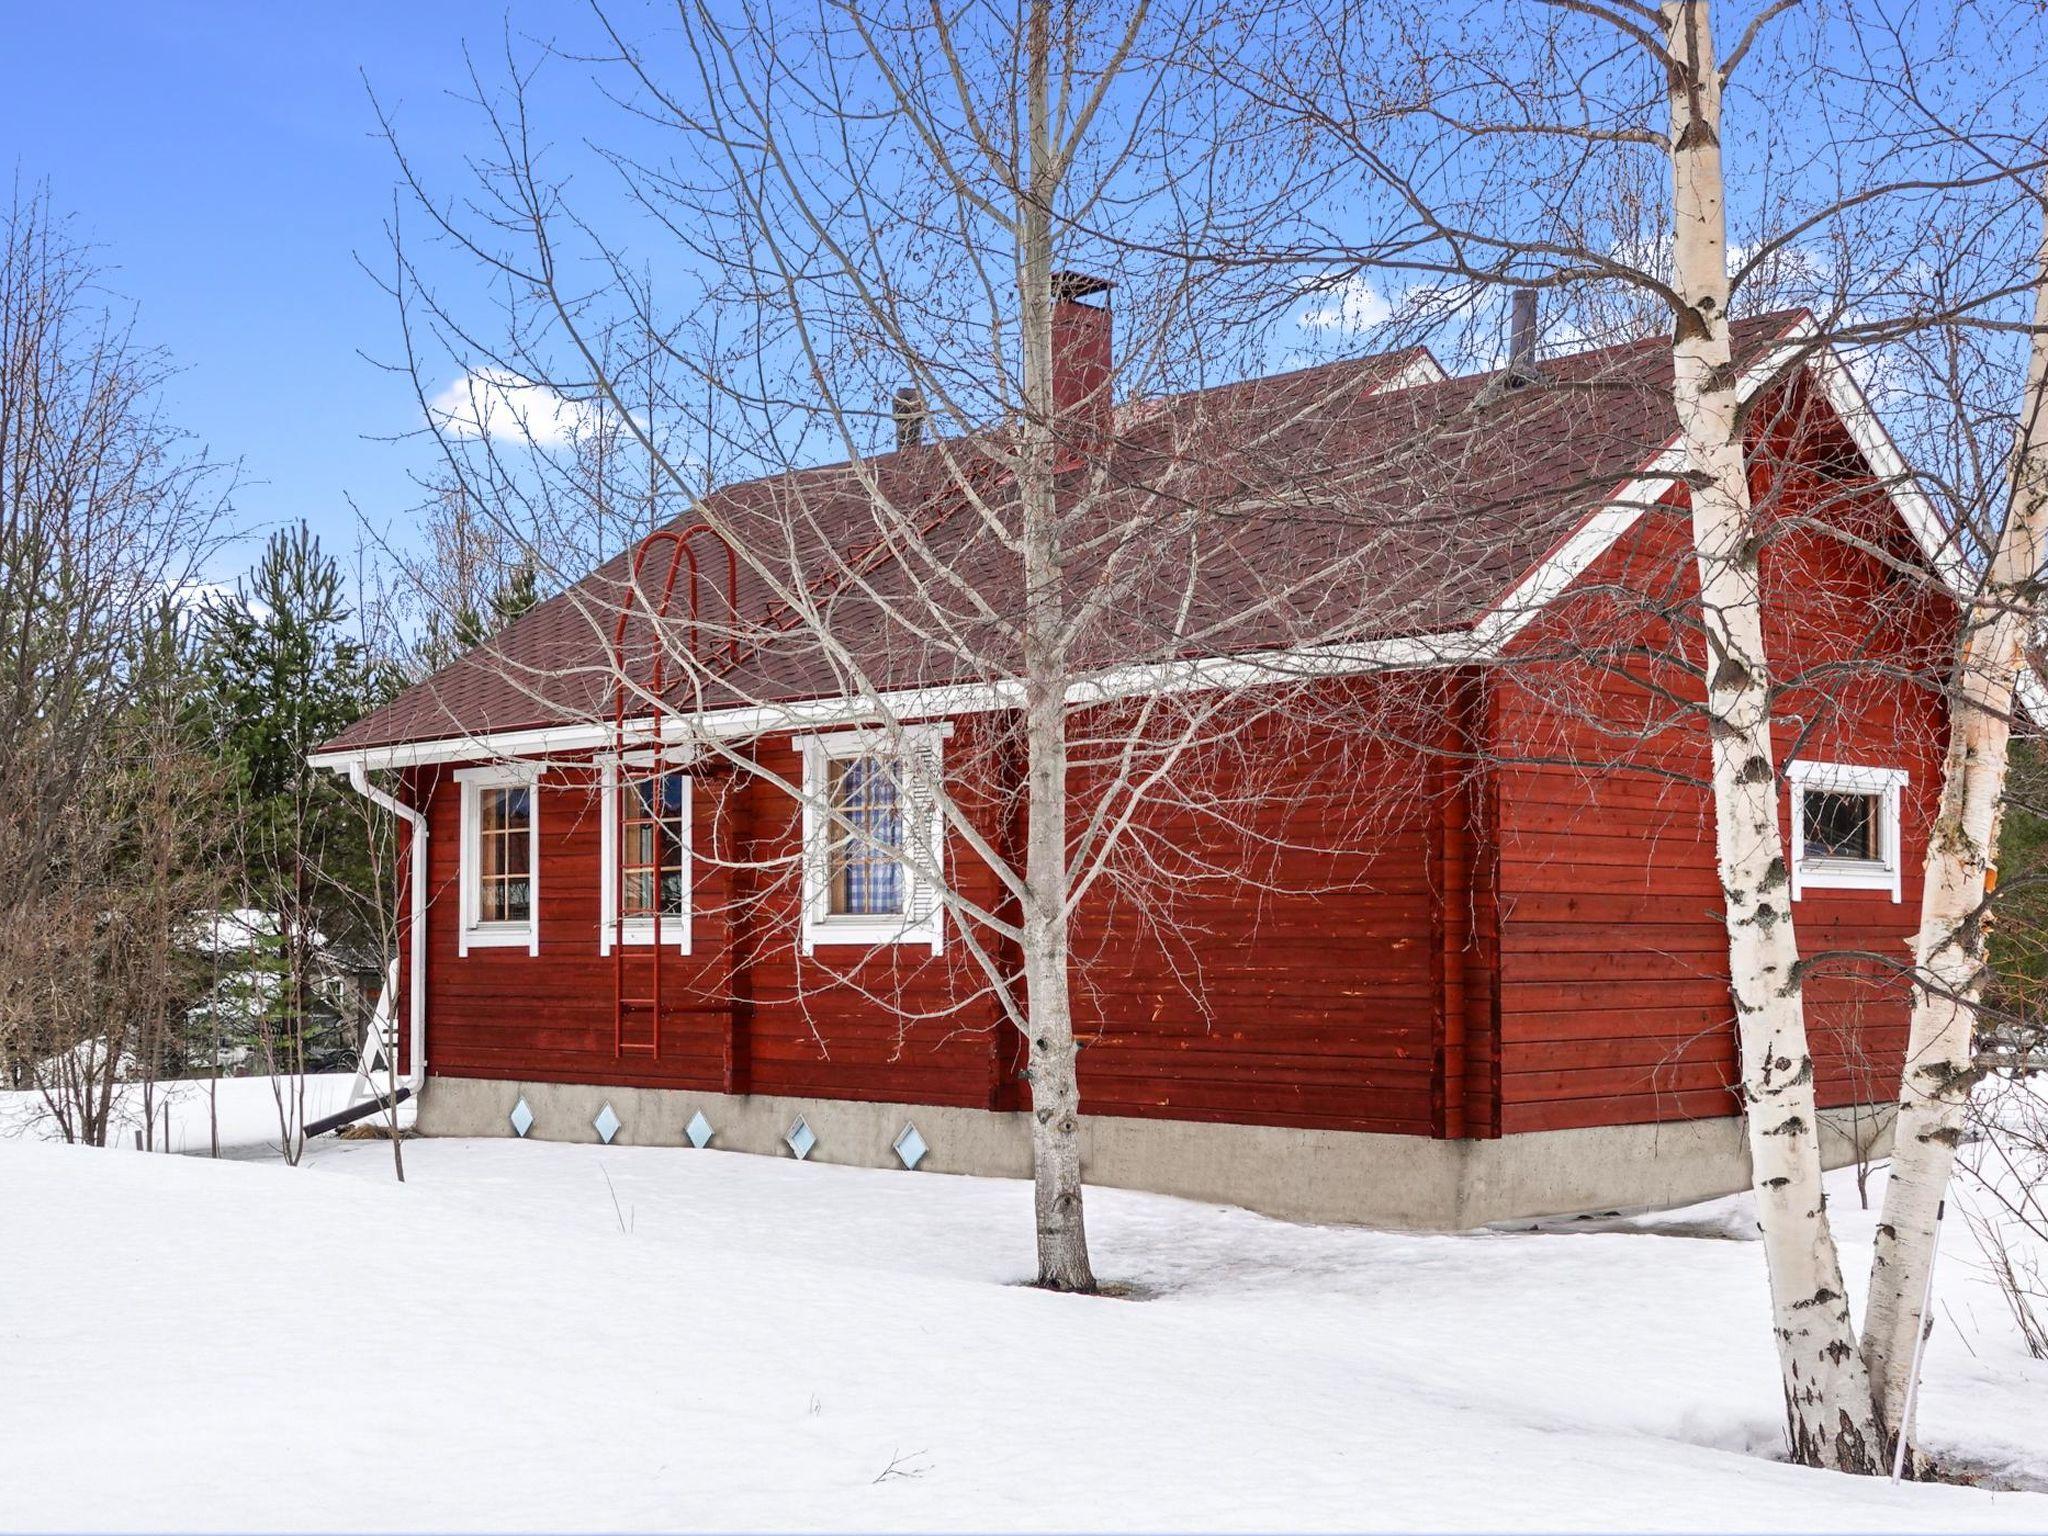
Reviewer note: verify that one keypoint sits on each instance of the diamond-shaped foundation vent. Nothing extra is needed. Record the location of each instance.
(522, 1117)
(606, 1125)
(698, 1130)
(910, 1146)
(800, 1137)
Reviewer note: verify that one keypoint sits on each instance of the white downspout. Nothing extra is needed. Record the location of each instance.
(416, 1000)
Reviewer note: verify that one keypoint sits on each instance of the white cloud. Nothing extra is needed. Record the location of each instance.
(496, 402)
(1353, 305)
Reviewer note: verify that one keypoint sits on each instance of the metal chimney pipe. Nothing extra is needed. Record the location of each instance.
(909, 410)
(1522, 334)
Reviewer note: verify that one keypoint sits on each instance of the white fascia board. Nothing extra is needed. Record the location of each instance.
(1424, 369)
(1297, 664)
(1602, 528)
(2033, 700)
(1597, 534)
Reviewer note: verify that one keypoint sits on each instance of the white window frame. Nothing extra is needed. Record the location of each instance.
(923, 919)
(1820, 873)
(474, 933)
(675, 929)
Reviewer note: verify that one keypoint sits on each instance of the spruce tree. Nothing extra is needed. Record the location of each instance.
(283, 673)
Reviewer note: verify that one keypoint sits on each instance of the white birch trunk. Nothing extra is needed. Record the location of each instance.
(1055, 1084)
(1827, 1403)
(1949, 949)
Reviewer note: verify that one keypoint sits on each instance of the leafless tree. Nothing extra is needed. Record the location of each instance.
(900, 225)
(106, 515)
(1604, 154)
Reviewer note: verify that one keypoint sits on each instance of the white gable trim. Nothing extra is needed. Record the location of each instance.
(1875, 443)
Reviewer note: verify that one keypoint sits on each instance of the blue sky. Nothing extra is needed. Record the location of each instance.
(223, 159)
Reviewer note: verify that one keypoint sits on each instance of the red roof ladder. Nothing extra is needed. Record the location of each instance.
(637, 1016)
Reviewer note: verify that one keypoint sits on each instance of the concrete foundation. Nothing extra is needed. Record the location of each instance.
(1344, 1176)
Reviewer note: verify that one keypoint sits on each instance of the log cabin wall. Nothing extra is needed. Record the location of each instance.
(1309, 993)
(1614, 1004)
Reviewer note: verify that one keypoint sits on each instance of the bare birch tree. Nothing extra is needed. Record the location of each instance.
(1826, 1391)
(1525, 160)
(899, 225)
(1950, 949)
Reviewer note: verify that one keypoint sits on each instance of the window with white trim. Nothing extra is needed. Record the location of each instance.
(1845, 827)
(500, 857)
(874, 837)
(645, 866)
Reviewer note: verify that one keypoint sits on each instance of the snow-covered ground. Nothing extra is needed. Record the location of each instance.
(528, 1335)
(246, 1109)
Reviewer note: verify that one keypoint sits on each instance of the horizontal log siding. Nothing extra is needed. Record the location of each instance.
(1305, 997)
(1613, 971)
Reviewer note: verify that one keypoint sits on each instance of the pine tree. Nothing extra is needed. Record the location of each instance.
(468, 626)
(283, 673)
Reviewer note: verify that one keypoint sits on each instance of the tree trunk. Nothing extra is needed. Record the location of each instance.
(1827, 1405)
(1949, 949)
(1055, 1085)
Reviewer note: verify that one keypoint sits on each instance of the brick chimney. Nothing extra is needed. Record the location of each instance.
(1081, 359)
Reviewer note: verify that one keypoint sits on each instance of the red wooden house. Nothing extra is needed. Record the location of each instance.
(1499, 990)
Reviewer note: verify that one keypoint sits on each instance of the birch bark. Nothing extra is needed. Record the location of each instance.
(1962, 847)
(1052, 1059)
(1827, 1406)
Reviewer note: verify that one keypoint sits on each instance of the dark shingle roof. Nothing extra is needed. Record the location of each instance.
(1307, 507)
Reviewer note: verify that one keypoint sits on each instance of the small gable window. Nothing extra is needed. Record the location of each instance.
(1845, 827)
(500, 857)
(874, 837)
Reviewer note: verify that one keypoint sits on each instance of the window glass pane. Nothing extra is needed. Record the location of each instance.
(865, 873)
(652, 846)
(1841, 826)
(639, 892)
(504, 855)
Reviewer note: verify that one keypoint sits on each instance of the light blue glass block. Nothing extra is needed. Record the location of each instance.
(910, 1146)
(698, 1130)
(522, 1117)
(606, 1125)
(800, 1138)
